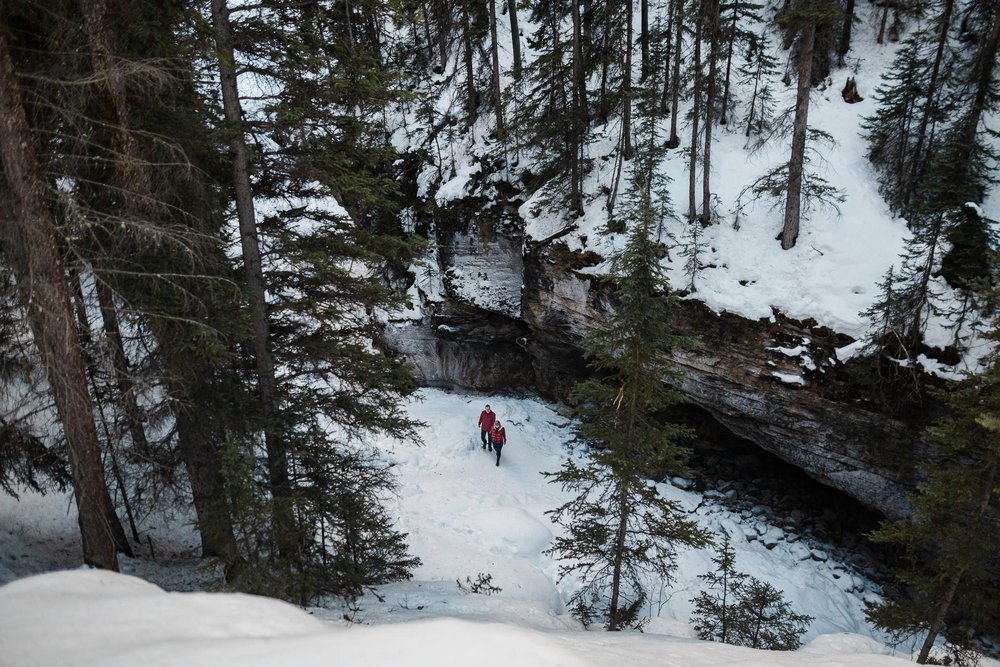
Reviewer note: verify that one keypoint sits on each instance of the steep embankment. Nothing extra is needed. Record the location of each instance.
(512, 283)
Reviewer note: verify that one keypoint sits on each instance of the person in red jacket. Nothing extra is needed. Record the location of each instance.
(486, 419)
(498, 436)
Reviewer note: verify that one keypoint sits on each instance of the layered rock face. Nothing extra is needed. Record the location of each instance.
(772, 382)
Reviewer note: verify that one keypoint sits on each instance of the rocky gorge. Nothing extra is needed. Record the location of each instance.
(509, 313)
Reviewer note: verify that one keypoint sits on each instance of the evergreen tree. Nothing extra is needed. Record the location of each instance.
(890, 130)
(742, 610)
(321, 135)
(143, 211)
(735, 36)
(814, 190)
(896, 381)
(711, 101)
(715, 609)
(692, 248)
(555, 125)
(946, 579)
(619, 529)
(766, 620)
(802, 20)
(676, 27)
(901, 132)
(760, 68)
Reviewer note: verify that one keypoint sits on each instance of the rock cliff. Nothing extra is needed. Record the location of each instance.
(774, 382)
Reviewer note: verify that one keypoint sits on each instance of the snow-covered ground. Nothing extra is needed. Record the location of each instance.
(465, 516)
(91, 619)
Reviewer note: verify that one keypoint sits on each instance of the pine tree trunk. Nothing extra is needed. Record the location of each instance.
(79, 305)
(515, 37)
(277, 457)
(939, 615)
(32, 250)
(495, 57)
(119, 363)
(90, 370)
(983, 74)
(618, 556)
(914, 172)
(624, 508)
(627, 86)
(643, 37)
(881, 24)
(602, 105)
(198, 444)
(136, 183)
(204, 467)
(470, 75)
(724, 616)
(442, 10)
(713, 59)
(675, 140)
(427, 30)
(695, 114)
(753, 97)
(668, 55)
(729, 67)
(579, 110)
(796, 163)
(372, 35)
(845, 32)
(916, 332)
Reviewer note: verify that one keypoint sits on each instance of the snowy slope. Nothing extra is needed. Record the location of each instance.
(831, 276)
(465, 516)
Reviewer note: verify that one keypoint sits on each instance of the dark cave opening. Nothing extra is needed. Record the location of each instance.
(755, 483)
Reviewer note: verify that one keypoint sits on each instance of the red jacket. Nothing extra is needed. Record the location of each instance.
(498, 436)
(486, 420)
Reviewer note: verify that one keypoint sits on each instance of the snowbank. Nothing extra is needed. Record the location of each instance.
(96, 618)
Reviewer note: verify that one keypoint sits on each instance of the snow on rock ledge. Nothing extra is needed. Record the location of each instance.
(742, 373)
(484, 270)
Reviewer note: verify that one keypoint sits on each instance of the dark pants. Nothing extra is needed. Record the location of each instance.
(498, 446)
(485, 435)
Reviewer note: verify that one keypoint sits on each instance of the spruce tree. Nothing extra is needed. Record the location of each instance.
(760, 68)
(716, 608)
(735, 36)
(620, 530)
(765, 620)
(555, 125)
(330, 228)
(142, 212)
(802, 20)
(946, 581)
(890, 131)
(743, 610)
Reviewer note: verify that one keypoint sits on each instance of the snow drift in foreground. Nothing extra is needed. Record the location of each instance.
(99, 618)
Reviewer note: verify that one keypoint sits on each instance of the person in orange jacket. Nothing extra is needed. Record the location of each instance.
(498, 438)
